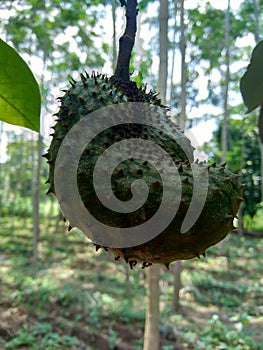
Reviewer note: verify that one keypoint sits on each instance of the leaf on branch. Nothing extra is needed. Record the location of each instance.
(251, 84)
(19, 92)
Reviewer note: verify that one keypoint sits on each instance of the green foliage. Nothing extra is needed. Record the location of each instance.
(207, 42)
(251, 83)
(23, 338)
(21, 162)
(40, 338)
(19, 92)
(247, 16)
(243, 157)
(113, 339)
(218, 336)
(73, 295)
(208, 289)
(256, 222)
(142, 4)
(167, 347)
(142, 69)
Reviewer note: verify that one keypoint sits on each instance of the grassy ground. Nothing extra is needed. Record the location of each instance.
(74, 298)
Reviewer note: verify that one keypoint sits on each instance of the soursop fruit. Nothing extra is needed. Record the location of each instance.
(218, 191)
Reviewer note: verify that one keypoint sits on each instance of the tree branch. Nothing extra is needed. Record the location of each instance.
(123, 3)
(126, 43)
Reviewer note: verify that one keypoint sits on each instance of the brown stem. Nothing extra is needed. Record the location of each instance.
(126, 42)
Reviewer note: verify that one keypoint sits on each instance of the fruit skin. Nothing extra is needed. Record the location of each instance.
(97, 91)
(214, 223)
(224, 191)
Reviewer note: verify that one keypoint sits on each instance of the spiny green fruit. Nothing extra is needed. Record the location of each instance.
(97, 91)
(224, 191)
(213, 224)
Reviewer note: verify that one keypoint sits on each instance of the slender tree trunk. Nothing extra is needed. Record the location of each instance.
(152, 321)
(21, 184)
(128, 281)
(36, 200)
(36, 183)
(240, 221)
(114, 39)
(163, 49)
(59, 218)
(227, 79)
(183, 67)
(240, 211)
(139, 49)
(177, 269)
(174, 51)
(256, 13)
(177, 266)
(50, 215)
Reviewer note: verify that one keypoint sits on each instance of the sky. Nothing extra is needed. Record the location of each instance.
(202, 132)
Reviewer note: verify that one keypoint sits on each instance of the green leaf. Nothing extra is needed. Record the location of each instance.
(19, 92)
(251, 84)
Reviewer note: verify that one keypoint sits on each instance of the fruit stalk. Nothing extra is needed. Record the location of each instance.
(126, 43)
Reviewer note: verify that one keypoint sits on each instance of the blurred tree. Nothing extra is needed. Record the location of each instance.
(183, 93)
(226, 87)
(142, 59)
(152, 320)
(177, 266)
(21, 159)
(114, 38)
(174, 49)
(62, 36)
(208, 34)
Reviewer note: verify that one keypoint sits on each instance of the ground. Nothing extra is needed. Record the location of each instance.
(76, 298)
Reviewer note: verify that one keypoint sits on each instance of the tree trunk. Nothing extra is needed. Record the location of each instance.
(227, 79)
(152, 320)
(240, 221)
(126, 43)
(256, 13)
(114, 39)
(36, 200)
(174, 52)
(151, 330)
(240, 211)
(163, 49)
(177, 266)
(128, 281)
(183, 67)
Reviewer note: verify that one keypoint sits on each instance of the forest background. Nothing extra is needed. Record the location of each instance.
(61, 39)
